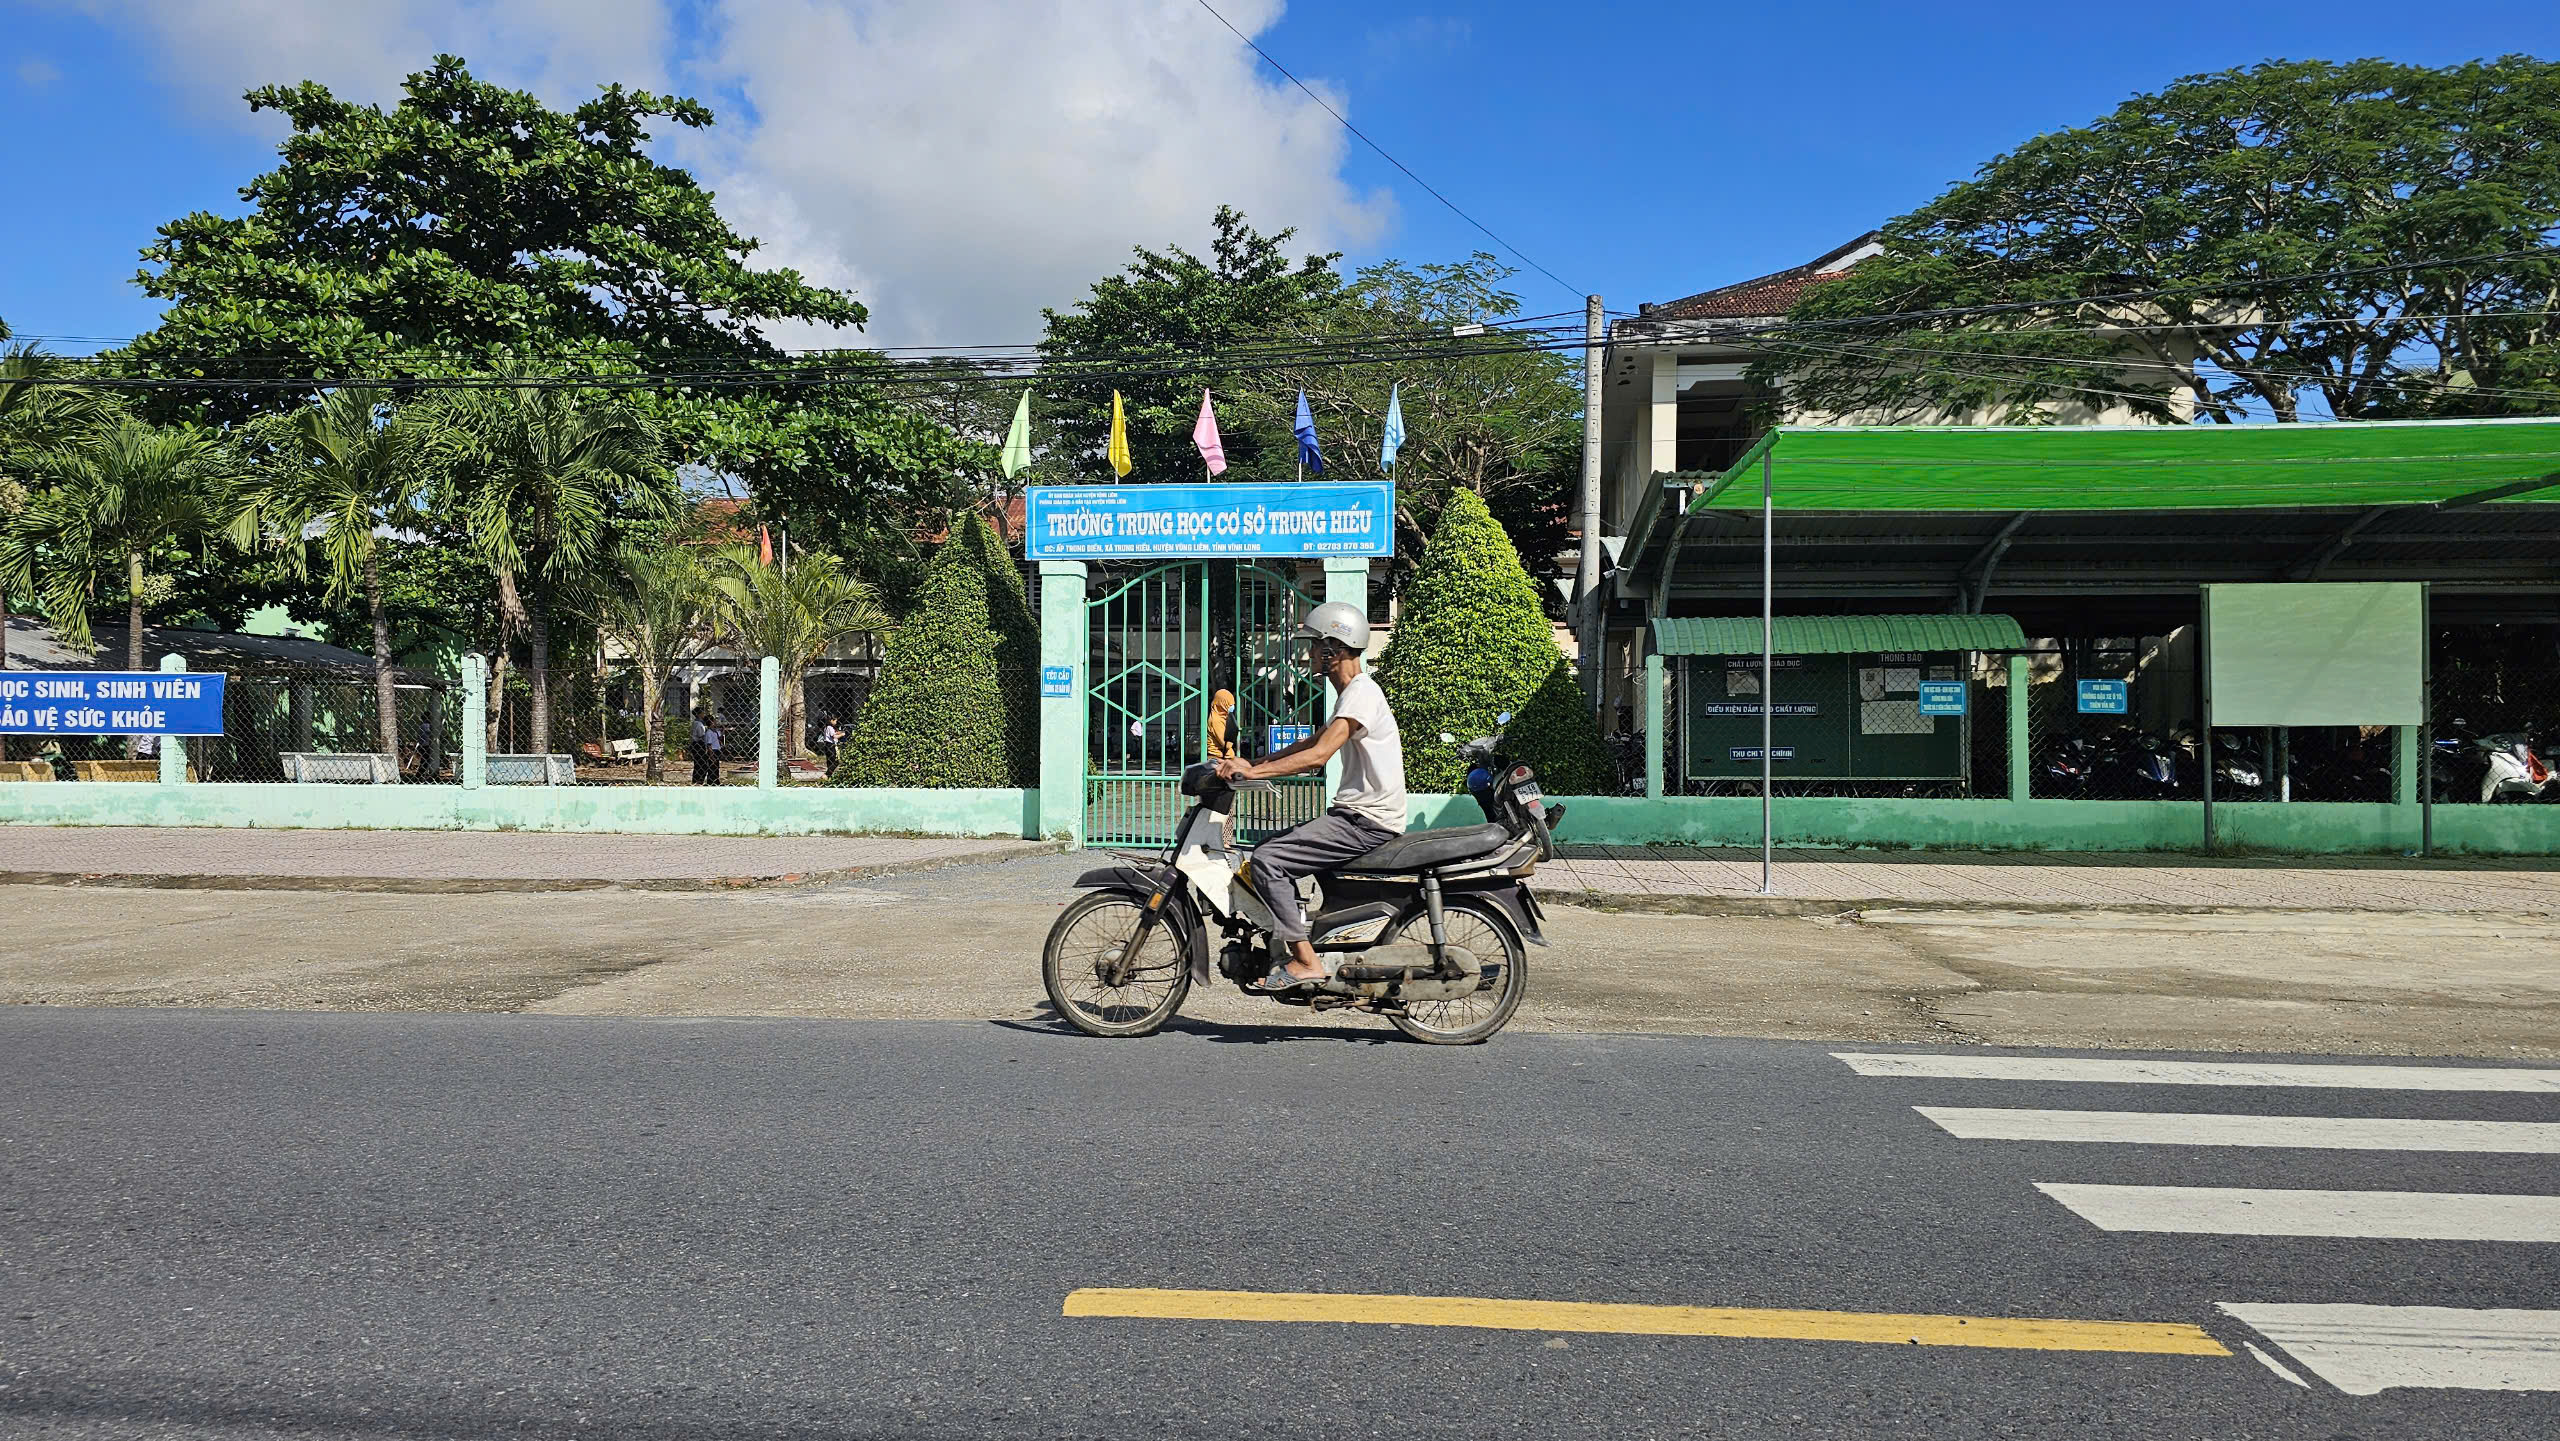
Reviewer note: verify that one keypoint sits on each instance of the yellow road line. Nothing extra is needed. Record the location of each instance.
(2169, 1338)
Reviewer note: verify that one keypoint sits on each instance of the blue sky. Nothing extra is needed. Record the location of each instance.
(1645, 151)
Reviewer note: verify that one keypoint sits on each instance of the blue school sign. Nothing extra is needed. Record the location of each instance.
(1167, 522)
(110, 703)
(2102, 697)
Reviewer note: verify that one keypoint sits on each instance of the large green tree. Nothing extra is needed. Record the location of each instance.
(1483, 413)
(2216, 190)
(1150, 333)
(471, 225)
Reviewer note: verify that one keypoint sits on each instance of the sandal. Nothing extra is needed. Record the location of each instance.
(1278, 981)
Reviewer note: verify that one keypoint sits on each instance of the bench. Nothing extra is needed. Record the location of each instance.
(627, 750)
(26, 770)
(531, 770)
(342, 767)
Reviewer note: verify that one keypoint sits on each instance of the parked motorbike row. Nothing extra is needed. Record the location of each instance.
(2128, 763)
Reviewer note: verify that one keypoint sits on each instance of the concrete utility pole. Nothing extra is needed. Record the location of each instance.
(1588, 592)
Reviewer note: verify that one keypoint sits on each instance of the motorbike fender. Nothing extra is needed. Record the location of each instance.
(1124, 877)
(1516, 900)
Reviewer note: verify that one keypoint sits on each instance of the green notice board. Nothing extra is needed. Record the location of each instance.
(1835, 717)
(2316, 654)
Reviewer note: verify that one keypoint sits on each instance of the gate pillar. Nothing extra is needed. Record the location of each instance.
(1346, 579)
(1066, 646)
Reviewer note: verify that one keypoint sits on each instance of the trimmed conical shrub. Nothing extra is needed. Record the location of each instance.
(1472, 643)
(953, 705)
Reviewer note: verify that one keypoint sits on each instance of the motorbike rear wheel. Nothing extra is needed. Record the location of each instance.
(1472, 1019)
(1081, 967)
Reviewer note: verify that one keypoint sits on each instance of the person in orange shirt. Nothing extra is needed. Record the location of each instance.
(1222, 741)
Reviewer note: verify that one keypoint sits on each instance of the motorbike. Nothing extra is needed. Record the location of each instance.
(1431, 929)
(2509, 768)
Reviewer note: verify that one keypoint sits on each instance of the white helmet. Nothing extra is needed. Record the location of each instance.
(1339, 621)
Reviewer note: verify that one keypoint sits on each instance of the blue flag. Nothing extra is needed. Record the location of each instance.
(1393, 439)
(1308, 455)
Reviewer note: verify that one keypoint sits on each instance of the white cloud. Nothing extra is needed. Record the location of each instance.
(38, 73)
(957, 163)
(212, 50)
(971, 162)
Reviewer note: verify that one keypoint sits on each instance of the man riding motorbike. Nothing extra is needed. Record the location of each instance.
(1369, 807)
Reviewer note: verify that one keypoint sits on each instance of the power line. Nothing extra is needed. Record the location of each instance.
(1382, 151)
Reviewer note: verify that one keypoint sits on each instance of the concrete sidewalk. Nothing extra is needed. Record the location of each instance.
(1728, 880)
(462, 860)
(1643, 877)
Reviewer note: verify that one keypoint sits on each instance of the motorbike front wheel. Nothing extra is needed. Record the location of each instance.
(1099, 990)
(1480, 927)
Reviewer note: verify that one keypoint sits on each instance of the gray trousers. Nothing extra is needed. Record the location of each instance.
(1303, 849)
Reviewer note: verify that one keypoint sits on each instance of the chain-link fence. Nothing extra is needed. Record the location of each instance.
(2496, 703)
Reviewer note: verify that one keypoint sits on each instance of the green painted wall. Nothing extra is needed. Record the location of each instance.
(2051, 825)
(645, 810)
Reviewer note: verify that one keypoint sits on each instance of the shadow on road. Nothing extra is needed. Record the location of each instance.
(1221, 1032)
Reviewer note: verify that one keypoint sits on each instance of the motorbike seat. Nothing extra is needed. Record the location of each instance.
(1423, 850)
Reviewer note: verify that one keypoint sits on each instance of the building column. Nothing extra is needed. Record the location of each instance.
(1346, 579)
(475, 722)
(2020, 771)
(1654, 738)
(769, 724)
(1066, 649)
(173, 749)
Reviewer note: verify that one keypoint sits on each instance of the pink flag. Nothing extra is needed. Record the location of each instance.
(1204, 434)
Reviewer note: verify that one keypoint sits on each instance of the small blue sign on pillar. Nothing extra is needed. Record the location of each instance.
(1057, 680)
(2102, 697)
(1942, 697)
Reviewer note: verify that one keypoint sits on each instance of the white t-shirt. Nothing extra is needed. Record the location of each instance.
(1373, 759)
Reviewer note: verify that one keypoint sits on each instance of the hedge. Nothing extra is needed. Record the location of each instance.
(1471, 643)
(954, 704)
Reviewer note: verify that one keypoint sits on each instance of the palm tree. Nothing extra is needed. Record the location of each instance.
(537, 472)
(37, 412)
(349, 467)
(794, 612)
(106, 502)
(655, 607)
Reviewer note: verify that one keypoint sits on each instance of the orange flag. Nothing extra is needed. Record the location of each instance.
(764, 545)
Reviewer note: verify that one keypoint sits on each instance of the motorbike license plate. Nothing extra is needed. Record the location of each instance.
(1530, 793)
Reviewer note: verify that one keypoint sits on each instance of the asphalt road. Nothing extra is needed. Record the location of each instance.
(237, 1224)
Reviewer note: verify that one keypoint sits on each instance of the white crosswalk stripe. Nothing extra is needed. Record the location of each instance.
(2359, 1349)
(2203, 1128)
(2365, 1349)
(2124, 1072)
(2368, 1215)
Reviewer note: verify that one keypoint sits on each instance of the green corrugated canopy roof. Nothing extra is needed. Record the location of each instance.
(1836, 634)
(2144, 467)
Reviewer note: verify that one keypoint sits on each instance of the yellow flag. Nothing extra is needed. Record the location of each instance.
(1119, 439)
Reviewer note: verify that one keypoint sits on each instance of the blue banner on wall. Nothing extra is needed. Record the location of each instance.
(1107, 522)
(110, 703)
(1942, 697)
